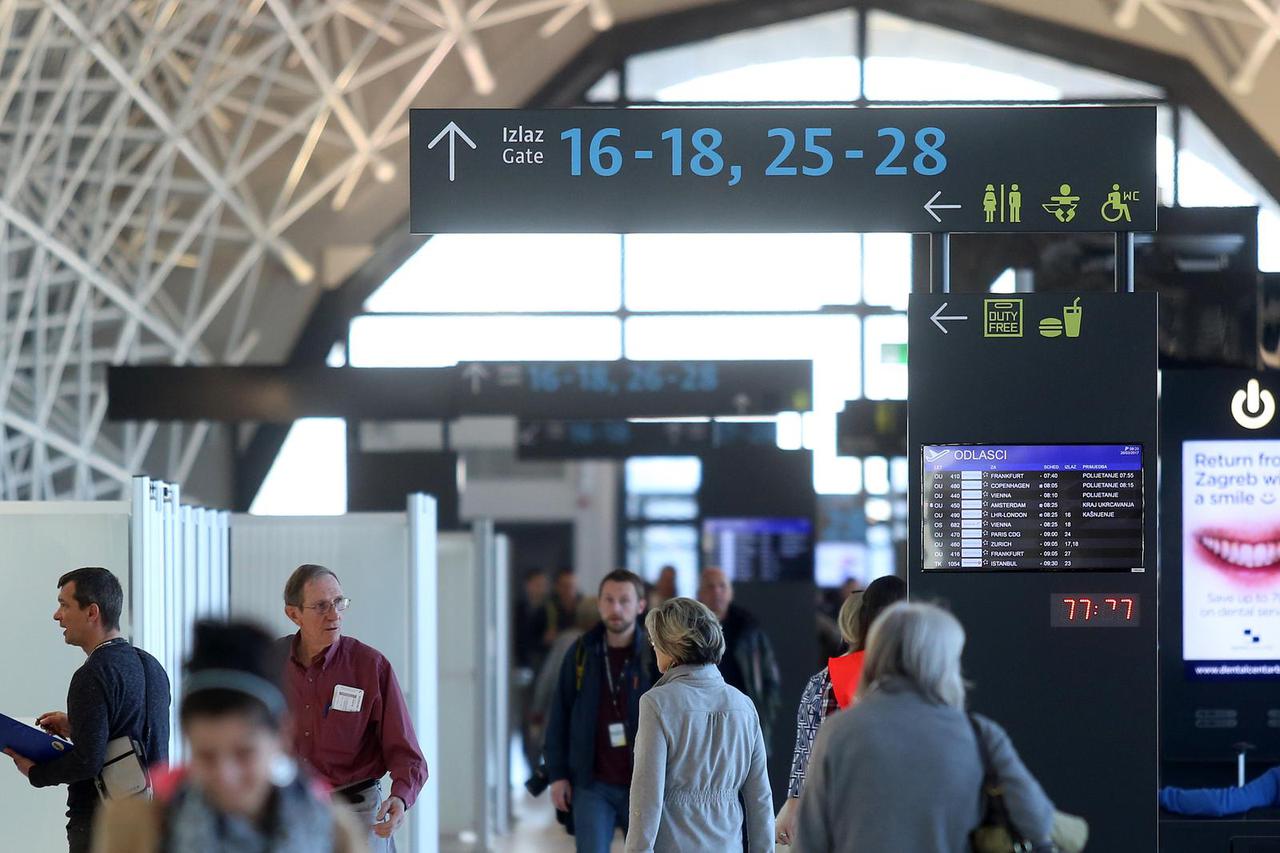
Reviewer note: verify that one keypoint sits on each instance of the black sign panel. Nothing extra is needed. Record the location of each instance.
(619, 439)
(576, 389)
(1048, 169)
(1007, 390)
(872, 428)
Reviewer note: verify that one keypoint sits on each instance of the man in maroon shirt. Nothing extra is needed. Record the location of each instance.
(594, 714)
(351, 722)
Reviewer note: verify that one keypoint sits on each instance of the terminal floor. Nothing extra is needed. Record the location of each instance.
(533, 830)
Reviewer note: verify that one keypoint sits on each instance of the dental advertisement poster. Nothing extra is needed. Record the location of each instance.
(1231, 559)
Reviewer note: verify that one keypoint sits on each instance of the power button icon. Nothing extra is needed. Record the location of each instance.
(1253, 408)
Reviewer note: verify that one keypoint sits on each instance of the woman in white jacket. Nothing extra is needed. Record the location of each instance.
(700, 781)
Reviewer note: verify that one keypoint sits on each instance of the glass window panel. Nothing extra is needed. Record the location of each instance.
(1210, 176)
(832, 474)
(908, 60)
(727, 68)
(831, 341)
(1269, 239)
(605, 89)
(663, 475)
(741, 272)
(1164, 153)
(309, 475)
(886, 269)
(434, 341)
(899, 473)
(886, 374)
(655, 546)
(670, 509)
(507, 272)
(875, 475)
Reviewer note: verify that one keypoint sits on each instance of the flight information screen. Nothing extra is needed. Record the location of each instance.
(1032, 507)
(759, 549)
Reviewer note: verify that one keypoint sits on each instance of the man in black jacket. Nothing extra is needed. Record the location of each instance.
(748, 663)
(119, 691)
(595, 712)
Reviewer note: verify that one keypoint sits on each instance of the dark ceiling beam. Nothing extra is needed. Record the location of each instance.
(1180, 78)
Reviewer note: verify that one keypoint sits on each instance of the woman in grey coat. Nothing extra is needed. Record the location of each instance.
(901, 770)
(700, 774)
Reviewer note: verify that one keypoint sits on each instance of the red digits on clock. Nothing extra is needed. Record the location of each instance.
(1087, 604)
(1128, 613)
(1113, 602)
(1071, 614)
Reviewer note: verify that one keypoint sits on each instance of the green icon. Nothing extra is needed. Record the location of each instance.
(1063, 205)
(1071, 316)
(1005, 201)
(1052, 327)
(1116, 207)
(1002, 318)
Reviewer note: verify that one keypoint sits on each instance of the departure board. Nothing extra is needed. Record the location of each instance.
(1023, 507)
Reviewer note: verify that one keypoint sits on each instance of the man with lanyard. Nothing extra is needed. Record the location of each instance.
(118, 691)
(351, 723)
(595, 712)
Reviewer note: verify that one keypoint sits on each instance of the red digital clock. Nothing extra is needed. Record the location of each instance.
(1094, 610)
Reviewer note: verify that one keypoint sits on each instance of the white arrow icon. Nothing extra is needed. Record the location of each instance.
(937, 317)
(475, 374)
(931, 207)
(454, 133)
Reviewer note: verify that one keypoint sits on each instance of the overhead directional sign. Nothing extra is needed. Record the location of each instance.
(963, 169)
(637, 389)
(543, 390)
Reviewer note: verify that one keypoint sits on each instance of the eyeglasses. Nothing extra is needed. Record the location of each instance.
(322, 608)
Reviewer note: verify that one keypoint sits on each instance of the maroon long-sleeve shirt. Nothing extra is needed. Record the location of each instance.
(348, 746)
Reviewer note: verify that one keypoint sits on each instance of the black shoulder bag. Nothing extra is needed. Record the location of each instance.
(996, 832)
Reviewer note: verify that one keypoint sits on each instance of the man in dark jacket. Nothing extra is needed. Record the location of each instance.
(118, 691)
(748, 663)
(595, 712)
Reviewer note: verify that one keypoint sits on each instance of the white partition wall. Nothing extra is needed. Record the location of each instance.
(180, 574)
(424, 597)
(386, 563)
(475, 799)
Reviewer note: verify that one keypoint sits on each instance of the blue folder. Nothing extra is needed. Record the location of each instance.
(31, 743)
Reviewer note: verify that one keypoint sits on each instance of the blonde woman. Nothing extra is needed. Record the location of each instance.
(700, 781)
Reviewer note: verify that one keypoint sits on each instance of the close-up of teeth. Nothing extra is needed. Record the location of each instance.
(1247, 555)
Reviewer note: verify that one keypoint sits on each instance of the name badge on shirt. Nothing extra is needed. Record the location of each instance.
(617, 735)
(347, 698)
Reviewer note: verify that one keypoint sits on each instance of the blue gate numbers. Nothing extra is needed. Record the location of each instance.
(809, 153)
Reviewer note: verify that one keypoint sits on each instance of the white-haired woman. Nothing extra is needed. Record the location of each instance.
(902, 769)
(700, 781)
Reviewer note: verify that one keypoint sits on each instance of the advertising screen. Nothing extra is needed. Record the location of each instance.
(1032, 507)
(1231, 559)
(759, 549)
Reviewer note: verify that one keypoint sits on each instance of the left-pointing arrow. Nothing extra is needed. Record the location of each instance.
(454, 133)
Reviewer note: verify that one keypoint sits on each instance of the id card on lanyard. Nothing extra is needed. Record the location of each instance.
(617, 731)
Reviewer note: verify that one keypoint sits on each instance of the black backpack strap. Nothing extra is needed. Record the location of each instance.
(146, 708)
(579, 663)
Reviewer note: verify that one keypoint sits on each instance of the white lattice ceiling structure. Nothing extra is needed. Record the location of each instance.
(176, 173)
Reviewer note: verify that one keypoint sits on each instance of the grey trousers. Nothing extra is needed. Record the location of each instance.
(366, 807)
